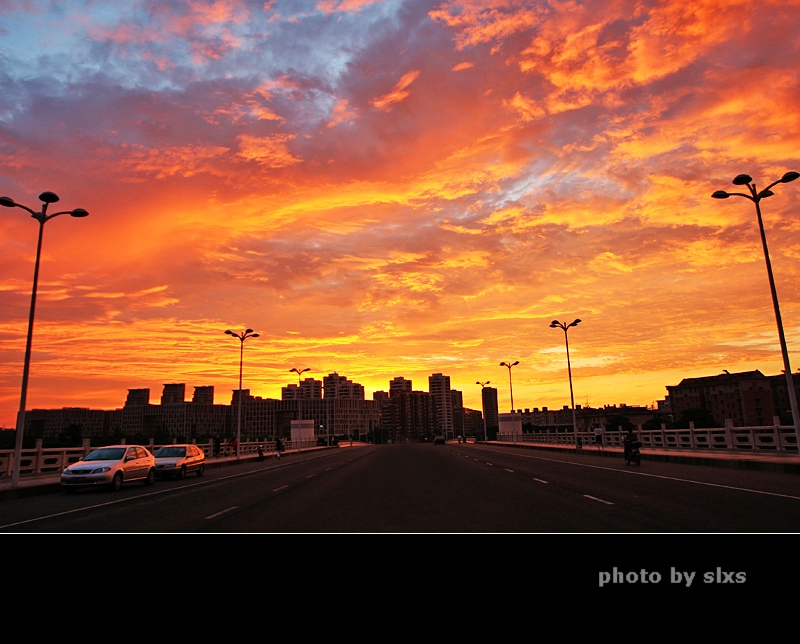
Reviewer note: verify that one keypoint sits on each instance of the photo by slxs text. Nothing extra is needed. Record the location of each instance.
(675, 576)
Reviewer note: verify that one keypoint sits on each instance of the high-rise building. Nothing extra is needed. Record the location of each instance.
(439, 388)
(137, 397)
(203, 395)
(490, 409)
(457, 400)
(173, 393)
(336, 386)
(398, 386)
(307, 389)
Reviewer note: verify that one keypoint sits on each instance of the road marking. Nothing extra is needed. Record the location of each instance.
(540, 480)
(594, 498)
(217, 514)
(659, 476)
(282, 487)
(508, 470)
(170, 490)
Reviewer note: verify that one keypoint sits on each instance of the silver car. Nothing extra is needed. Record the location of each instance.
(111, 466)
(179, 460)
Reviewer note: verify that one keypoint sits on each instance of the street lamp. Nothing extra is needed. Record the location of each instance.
(555, 324)
(42, 217)
(244, 335)
(755, 196)
(483, 405)
(299, 373)
(511, 391)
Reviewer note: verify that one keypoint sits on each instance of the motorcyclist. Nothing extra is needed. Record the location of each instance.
(628, 442)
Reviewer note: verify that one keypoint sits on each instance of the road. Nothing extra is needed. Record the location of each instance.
(413, 488)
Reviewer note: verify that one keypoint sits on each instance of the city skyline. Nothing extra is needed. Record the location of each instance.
(396, 188)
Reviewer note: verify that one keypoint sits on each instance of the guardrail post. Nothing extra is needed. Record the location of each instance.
(38, 458)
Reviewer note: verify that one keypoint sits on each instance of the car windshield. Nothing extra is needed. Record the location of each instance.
(106, 454)
(170, 452)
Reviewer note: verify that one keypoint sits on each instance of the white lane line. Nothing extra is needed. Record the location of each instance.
(594, 498)
(282, 487)
(540, 480)
(508, 470)
(214, 516)
(661, 476)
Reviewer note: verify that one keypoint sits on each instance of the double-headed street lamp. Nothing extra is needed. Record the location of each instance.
(299, 373)
(756, 196)
(42, 217)
(555, 324)
(511, 391)
(483, 405)
(510, 387)
(244, 335)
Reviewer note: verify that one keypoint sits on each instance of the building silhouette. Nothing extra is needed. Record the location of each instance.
(308, 388)
(173, 393)
(339, 410)
(490, 409)
(398, 386)
(439, 387)
(742, 399)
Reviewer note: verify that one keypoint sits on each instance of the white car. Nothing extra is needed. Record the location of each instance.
(179, 460)
(111, 466)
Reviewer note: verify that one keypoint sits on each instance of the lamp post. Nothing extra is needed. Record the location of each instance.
(42, 217)
(244, 335)
(756, 196)
(511, 391)
(555, 324)
(510, 388)
(299, 373)
(483, 406)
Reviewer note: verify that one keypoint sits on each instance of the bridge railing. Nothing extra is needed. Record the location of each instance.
(773, 438)
(52, 460)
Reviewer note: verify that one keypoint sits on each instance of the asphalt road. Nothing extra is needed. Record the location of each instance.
(412, 488)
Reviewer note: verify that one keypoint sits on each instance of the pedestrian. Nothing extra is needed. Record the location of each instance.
(234, 445)
(260, 453)
(598, 436)
(217, 445)
(278, 447)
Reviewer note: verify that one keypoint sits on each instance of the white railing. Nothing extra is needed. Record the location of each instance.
(42, 460)
(774, 438)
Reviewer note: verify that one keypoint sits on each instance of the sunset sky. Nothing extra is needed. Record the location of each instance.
(396, 188)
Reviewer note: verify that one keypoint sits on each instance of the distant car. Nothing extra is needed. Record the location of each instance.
(439, 440)
(111, 466)
(179, 460)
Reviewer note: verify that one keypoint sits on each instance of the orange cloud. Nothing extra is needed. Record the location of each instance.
(398, 92)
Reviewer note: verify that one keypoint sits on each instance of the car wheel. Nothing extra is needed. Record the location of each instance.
(116, 482)
(151, 477)
(182, 473)
(200, 470)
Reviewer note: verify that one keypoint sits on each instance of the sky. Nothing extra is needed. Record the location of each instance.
(395, 188)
